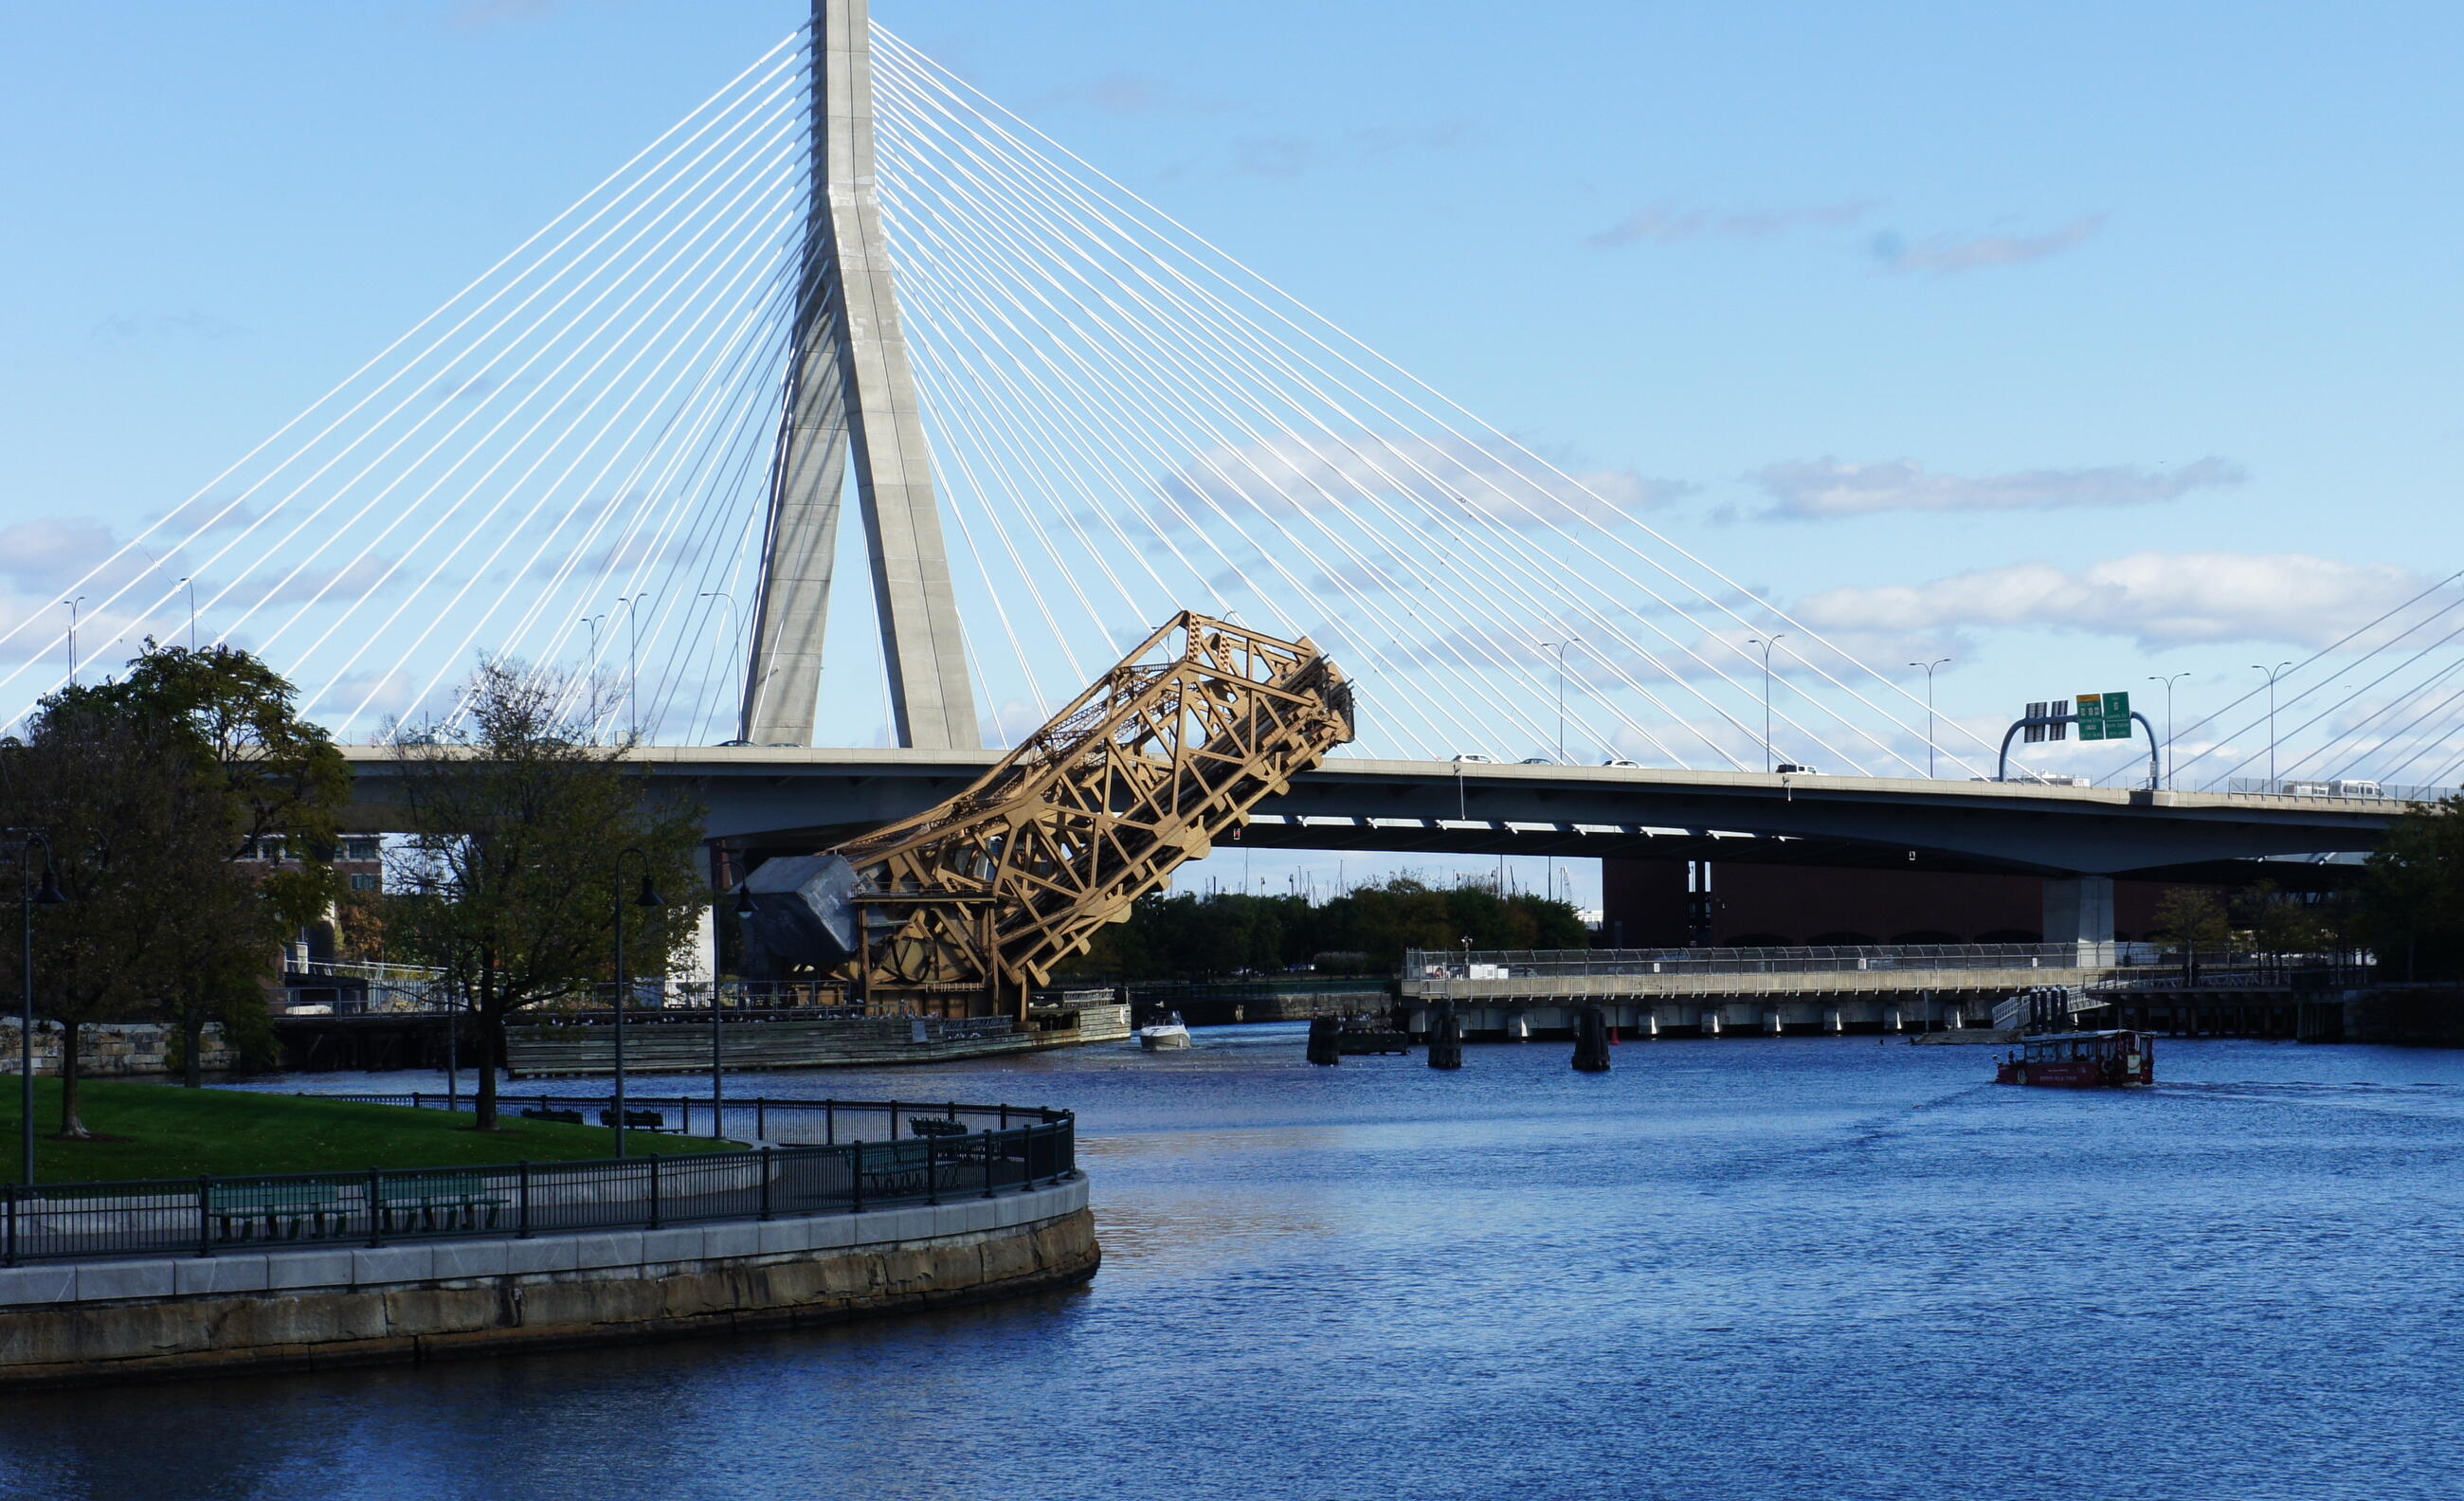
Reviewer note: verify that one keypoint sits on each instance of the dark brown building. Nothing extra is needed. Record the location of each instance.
(1665, 904)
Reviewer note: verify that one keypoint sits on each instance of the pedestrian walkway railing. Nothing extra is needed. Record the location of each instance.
(1568, 964)
(869, 1155)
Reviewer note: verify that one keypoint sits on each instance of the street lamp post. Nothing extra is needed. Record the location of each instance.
(28, 899)
(649, 898)
(736, 638)
(73, 617)
(1940, 661)
(1559, 647)
(632, 603)
(190, 585)
(2273, 673)
(1774, 639)
(2168, 684)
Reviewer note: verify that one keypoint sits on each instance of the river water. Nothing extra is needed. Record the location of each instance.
(1751, 1269)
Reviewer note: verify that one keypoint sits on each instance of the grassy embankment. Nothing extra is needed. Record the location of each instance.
(163, 1130)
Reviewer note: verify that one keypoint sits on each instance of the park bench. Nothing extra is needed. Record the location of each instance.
(570, 1117)
(635, 1119)
(281, 1209)
(439, 1202)
(896, 1169)
(951, 1134)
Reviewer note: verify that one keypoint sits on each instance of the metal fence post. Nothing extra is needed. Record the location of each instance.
(990, 1142)
(932, 1170)
(11, 1191)
(855, 1179)
(654, 1192)
(761, 1118)
(204, 1216)
(522, 1201)
(830, 1122)
(376, 1210)
(894, 1120)
(769, 1165)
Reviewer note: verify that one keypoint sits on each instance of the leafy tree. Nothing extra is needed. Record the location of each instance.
(515, 815)
(2194, 917)
(283, 778)
(1186, 934)
(2411, 905)
(141, 845)
(2280, 923)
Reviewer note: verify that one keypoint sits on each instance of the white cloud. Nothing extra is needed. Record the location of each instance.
(2156, 599)
(1291, 472)
(36, 555)
(1945, 255)
(1665, 223)
(1809, 489)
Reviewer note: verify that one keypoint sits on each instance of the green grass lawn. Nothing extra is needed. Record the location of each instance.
(163, 1131)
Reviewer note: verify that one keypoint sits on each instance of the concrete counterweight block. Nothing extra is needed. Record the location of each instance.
(1445, 1038)
(1590, 1040)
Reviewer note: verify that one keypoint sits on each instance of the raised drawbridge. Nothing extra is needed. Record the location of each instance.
(965, 908)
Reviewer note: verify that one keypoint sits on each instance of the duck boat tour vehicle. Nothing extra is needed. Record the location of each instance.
(1164, 1035)
(2081, 1061)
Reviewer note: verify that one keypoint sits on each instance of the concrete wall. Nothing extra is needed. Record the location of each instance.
(110, 1049)
(71, 1323)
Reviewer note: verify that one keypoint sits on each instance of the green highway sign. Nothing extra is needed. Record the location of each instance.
(2104, 716)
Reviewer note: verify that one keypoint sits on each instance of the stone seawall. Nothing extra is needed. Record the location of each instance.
(108, 1050)
(297, 1308)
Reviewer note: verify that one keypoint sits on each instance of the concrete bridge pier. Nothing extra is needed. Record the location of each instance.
(1830, 1021)
(2078, 909)
(1771, 1023)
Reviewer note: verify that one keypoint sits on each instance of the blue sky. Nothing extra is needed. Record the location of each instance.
(2075, 342)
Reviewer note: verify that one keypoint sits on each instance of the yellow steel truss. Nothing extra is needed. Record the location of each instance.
(968, 906)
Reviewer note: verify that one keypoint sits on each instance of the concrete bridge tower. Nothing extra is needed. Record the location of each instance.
(852, 402)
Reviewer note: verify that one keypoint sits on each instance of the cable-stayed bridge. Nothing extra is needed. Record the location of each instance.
(622, 455)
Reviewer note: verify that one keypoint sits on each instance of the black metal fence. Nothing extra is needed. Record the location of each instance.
(873, 1154)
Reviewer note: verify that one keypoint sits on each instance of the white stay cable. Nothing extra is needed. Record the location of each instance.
(1282, 310)
(765, 65)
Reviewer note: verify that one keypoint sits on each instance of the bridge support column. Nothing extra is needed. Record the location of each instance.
(2078, 909)
(852, 404)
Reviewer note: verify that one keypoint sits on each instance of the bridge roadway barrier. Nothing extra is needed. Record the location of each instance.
(788, 797)
(1721, 992)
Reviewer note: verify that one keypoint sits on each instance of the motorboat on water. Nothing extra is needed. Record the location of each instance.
(2082, 1060)
(1162, 1036)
